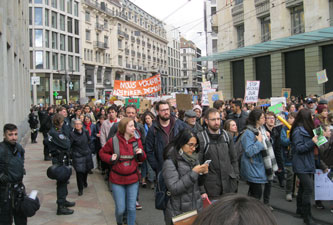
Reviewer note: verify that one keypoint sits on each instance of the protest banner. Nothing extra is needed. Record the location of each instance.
(137, 88)
(277, 100)
(276, 109)
(213, 96)
(321, 76)
(132, 101)
(204, 99)
(206, 85)
(252, 91)
(184, 101)
(323, 186)
(286, 92)
(144, 105)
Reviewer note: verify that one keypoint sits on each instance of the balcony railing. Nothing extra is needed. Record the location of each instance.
(237, 9)
(293, 3)
(240, 44)
(297, 29)
(266, 37)
(132, 39)
(262, 7)
(101, 45)
(134, 67)
(99, 26)
(128, 66)
(121, 33)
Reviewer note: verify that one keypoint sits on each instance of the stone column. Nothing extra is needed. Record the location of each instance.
(313, 64)
(278, 73)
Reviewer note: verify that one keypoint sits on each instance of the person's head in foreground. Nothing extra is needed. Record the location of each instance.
(235, 209)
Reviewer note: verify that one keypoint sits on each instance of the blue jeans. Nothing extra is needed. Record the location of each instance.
(125, 197)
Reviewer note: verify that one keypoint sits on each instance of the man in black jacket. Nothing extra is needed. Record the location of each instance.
(238, 115)
(45, 126)
(33, 123)
(11, 176)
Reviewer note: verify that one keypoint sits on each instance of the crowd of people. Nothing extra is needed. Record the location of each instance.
(200, 153)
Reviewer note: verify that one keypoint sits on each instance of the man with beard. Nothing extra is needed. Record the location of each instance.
(164, 129)
(218, 146)
(238, 115)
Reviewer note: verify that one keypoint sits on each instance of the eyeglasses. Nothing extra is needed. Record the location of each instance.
(270, 118)
(191, 145)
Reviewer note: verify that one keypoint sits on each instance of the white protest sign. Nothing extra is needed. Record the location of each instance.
(322, 77)
(206, 85)
(205, 99)
(278, 100)
(323, 186)
(35, 80)
(252, 91)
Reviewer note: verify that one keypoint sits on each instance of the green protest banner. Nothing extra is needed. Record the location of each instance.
(321, 138)
(276, 108)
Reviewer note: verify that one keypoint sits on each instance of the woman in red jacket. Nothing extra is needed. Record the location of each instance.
(124, 156)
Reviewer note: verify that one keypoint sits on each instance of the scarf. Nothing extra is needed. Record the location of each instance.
(113, 121)
(193, 159)
(268, 155)
(88, 127)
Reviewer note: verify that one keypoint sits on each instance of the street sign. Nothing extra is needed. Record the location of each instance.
(71, 85)
(35, 80)
(55, 94)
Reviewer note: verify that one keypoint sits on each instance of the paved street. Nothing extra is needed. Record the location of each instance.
(96, 206)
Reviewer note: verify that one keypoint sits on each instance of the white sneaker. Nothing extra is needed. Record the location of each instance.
(289, 197)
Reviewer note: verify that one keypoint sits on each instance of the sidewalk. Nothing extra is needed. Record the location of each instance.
(95, 206)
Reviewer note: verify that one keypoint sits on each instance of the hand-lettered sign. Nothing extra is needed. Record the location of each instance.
(252, 91)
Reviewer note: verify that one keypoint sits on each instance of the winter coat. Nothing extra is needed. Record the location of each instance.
(140, 132)
(303, 151)
(275, 140)
(66, 127)
(252, 164)
(105, 129)
(92, 137)
(286, 147)
(183, 184)
(123, 167)
(33, 121)
(196, 128)
(59, 145)
(326, 152)
(155, 141)
(81, 153)
(223, 169)
(239, 119)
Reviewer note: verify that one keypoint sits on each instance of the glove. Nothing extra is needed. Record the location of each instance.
(3, 179)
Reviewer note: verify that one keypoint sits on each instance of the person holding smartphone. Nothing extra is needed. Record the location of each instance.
(181, 172)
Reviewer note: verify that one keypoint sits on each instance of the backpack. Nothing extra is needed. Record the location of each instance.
(125, 160)
(162, 195)
(206, 139)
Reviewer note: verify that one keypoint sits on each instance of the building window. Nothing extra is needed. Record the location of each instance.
(70, 44)
(87, 16)
(54, 3)
(69, 6)
(55, 61)
(47, 38)
(62, 42)
(120, 43)
(105, 24)
(38, 1)
(265, 29)
(297, 20)
(120, 60)
(76, 27)
(87, 35)
(77, 64)
(38, 38)
(47, 15)
(54, 40)
(62, 23)
(238, 2)
(30, 38)
(214, 45)
(30, 15)
(240, 36)
(39, 60)
(76, 9)
(77, 45)
(70, 63)
(38, 16)
(47, 60)
(69, 25)
(54, 20)
(62, 62)
(62, 5)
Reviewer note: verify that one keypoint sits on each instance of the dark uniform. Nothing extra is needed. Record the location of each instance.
(45, 126)
(11, 188)
(33, 122)
(59, 147)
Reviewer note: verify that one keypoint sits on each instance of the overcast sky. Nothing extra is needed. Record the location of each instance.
(191, 14)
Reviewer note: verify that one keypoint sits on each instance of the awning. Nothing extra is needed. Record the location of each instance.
(320, 35)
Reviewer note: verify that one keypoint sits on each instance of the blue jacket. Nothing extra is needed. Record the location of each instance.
(156, 141)
(302, 150)
(252, 165)
(285, 143)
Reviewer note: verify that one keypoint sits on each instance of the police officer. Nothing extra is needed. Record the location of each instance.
(59, 146)
(33, 122)
(11, 177)
(45, 126)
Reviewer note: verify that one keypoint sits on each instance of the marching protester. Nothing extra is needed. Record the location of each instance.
(87, 111)
(218, 146)
(59, 145)
(106, 126)
(238, 115)
(231, 127)
(101, 165)
(181, 172)
(191, 120)
(81, 154)
(124, 151)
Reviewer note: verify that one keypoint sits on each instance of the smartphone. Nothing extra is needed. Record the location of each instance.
(207, 161)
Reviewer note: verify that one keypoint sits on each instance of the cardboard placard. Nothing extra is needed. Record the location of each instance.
(321, 76)
(252, 91)
(118, 103)
(184, 102)
(214, 96)
(286, 92)
(277, 100)
(144, 105)
(276, 108)
(204, 99)
(133, 101)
